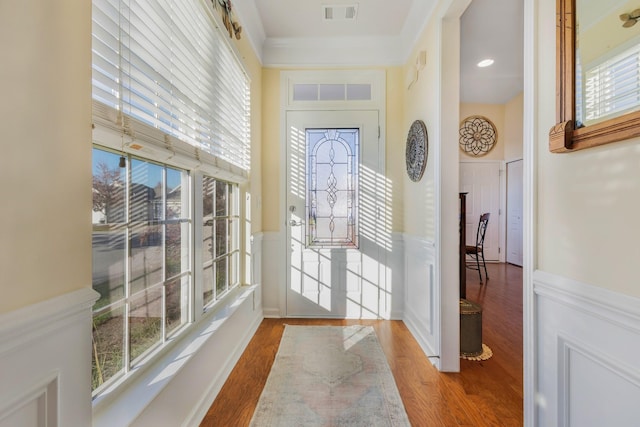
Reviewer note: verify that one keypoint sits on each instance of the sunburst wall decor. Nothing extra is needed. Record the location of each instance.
(478, 135)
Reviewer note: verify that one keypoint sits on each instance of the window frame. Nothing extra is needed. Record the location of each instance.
(116, 132)
(629, 51)
(126, 299)
(195, 310)
(233, 253)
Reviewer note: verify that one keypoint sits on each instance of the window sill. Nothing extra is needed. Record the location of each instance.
(123, 401)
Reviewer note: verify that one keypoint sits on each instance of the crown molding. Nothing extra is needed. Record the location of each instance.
(414, 26)
(338, 51)
(327, 52)
(248, 16)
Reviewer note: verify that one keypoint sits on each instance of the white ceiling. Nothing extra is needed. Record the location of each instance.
(295, 33)
(492, 29)
(374, 18)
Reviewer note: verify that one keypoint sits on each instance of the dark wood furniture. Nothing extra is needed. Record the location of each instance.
(477, 251)
(463, 244)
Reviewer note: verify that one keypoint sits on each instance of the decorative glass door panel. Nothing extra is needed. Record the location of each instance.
(335, 194)
(332, 185)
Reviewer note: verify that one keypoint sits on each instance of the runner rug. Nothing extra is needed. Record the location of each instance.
(330, 376)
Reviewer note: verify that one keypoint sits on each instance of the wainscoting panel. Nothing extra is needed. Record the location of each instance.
(422, 299)
(588, 341)
(395, 277)
(45, 363)
(273, 275)
(255, 275)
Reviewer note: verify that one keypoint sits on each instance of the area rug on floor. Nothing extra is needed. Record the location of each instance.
(330, 376)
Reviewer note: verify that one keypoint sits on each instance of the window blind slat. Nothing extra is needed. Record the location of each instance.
(613, 86)
(166, 64)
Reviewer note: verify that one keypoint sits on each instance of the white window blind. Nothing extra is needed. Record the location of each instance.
(613, 86)
(166, 64)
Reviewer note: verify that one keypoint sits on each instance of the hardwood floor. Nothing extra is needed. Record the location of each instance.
(487, 393)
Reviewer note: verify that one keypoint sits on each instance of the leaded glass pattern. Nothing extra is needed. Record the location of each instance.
(332, 187)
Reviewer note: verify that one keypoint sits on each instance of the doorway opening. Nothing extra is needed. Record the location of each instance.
(491, 178)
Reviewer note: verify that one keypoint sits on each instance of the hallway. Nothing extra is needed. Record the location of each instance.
(485, 393)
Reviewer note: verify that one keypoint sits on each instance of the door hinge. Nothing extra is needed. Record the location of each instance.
(378, 132)
(499, 250)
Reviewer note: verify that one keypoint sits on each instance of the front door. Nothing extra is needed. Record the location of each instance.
(334, 207)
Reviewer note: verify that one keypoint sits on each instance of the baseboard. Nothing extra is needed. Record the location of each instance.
(271, 313)
(413, 324)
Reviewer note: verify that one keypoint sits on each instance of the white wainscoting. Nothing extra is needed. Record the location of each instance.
(422, 299)
(395, 276)
(45, 363)
(273, 275)
(588, 342)
(255, 274)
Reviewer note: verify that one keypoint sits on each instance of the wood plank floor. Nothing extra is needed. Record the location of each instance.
(487, 393)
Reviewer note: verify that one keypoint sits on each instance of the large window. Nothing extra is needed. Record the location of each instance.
(220, 228)
(141, 259)
(168, 87)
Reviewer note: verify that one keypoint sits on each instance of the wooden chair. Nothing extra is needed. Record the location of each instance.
(477, 251)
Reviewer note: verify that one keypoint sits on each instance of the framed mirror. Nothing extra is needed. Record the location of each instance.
(597, 73)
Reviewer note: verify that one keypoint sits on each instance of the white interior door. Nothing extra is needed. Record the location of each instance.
(334, 207)
(482, 181)
(514, 212)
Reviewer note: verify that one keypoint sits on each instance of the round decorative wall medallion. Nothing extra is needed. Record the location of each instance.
(417, 150)
(477, 135)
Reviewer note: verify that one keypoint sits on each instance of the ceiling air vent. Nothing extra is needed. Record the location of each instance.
(340, 12)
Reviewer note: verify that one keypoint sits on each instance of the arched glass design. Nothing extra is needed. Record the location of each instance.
(332, 187)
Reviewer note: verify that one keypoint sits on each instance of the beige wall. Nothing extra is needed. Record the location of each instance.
(395, 145)
(599, 38)
(271, 150)
(588, 201)
(45, 166)
(271, 122)
(254, 68)
(513, 128)
(421, 103)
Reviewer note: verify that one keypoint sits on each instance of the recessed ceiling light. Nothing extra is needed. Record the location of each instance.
(485, 63)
